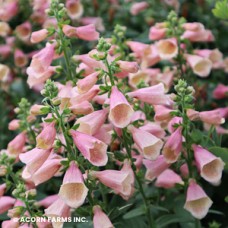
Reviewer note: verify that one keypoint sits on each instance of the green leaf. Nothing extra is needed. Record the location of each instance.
(221, 9)
(222, 153)
(134, 213)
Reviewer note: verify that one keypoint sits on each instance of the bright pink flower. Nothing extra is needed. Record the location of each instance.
(197, 202)
(220, 92)
(46, 137)
(85, 84)
(168, 179)
(58, 209)
(14, 125)
(16, 146)
(120, 110)
(91, 148)
(73, 190)
(184, 170)
(200, 66)
(100, 219)
(155, 168)
(34, 159)
(74, 9)
(173, 146)
(91, 123)
(154, 95)
(129, 67)
(39, 36)
(167, 49)
(23, 31)
(148, 144)
(138, 115)
(97, 21)
(6, 202)
(211, 117)
(8, 10)
(210, 166)
(138, 7)
(20, 58)
(172, 122)
(154, 128)
(157, 32)
(82, 108)
(162, 113)
(10, 223)
(47, 201)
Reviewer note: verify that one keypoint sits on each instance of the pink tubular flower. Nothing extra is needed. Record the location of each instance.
(100, 219)
(162, 113)
(85, 84)
(10, 223)
(154, 128)
(20, 58)
(16, 146)
(197, 202)
(47, 201)
(200, 66)
(120, 110)
(4, 29)
(155, 168)
(91, 123)
(97, 21)
(8, 10)
(148, 144)
(39, 36)
(120, 181)
(173, 146)
(138, 7)
(2, 189)
(84, 108)
(23, 31)
(34, 159)
(154, 95)
(167, 49)
(211, 117)
(172, 122)
(129, 67)
(6, 202)
(14, 125)
(46, 137)
(157, 32)
(87, 32)
(74, 9)
(220, 92)
(210, 166)
(91, 148)
(58, 209)
(168, 179)
(73, 190)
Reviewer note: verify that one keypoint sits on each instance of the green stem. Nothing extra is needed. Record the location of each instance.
(109, 72)
(141, 190)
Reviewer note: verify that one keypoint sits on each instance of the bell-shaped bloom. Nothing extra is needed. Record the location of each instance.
(8, 10)
(138, 7)
(129, 67)
(120, 110)
(211, 117)
(73, 190)
(39, 36)
(162, 113)
(47, 170)
(209, 166)
(193, 115)
(138, 115)
(154, 128)
(168, 179)
(34, 159)
(14, 125)
(4, 72)
(91, 148)
(154, 95)
(173, 122)
(158, 31)
(200, 66)
(5, 51)
(46, 137)
(87, 32)
(82, 108)
(47, 201)
(136, 78)
(220, 92)
(6, 202)
(74, 9)
(16, 146)
(2, 189)
(184, 170)
(149, 145)
(155, 168)
(100, 219)
(119, 181)
(39, 109)
(23, 31)
(59, 209)
(167, 49)
(42, 60)
(91, 123)
(173, 146)
(20, 58)
(85, 84)
(197, 202)
(97, 21)
(4, 29)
